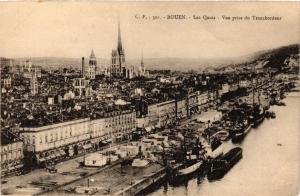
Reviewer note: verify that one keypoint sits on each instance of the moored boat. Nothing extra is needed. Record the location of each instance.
(259, 115)
(189, 169)
(239, 134)
(222, 135)
(219, 167)
(184, 171)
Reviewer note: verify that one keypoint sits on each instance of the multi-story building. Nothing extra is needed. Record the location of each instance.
(202, 100)
(153, 118)
(11, 153)
(5, 81)
(51, 142)
(192, 105)
(181, 111)
(120, 124)
(113, 126)
(57, 141)
(166, 113)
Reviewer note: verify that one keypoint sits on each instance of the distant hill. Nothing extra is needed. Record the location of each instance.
(150, 63)
(274, 58)
(270, 58)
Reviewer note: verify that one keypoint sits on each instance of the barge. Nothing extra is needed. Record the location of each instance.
(219, 167)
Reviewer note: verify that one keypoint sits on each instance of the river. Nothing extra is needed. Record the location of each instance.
(270, 163)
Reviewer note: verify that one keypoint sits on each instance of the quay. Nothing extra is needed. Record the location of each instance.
(144, 183)
(111, 179)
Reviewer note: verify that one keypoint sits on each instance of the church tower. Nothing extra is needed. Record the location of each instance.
(142, 68)
(91, 71)
(93, 60)
(118, 65)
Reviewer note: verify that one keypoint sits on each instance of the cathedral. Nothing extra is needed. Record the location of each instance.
(118, 68)
(118, 65)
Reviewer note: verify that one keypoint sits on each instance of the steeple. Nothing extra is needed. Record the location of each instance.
(93, 60)
(142, 60)
(92, 55)
(119, 38)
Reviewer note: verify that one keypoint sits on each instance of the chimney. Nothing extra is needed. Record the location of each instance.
(82, 67)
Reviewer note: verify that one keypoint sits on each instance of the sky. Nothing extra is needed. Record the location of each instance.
(73, 29)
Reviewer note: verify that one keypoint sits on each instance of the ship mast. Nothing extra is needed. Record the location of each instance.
(253, 88)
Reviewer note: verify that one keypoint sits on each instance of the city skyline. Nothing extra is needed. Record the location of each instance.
(74, 29)
(145, 98)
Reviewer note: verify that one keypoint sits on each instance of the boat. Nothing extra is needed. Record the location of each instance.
(214, 154)
(239, 134)
(139, 162)
(273, 115)
(222, 135)
(280, 103)
(181, 172)
(189, 169)
(219, 167)
(270, 114)
(192, 162)
(259, 115)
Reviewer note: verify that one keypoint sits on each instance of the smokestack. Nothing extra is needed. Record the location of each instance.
(82, 67)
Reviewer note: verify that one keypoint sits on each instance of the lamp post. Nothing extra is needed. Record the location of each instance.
(90, 180)
(208, 131)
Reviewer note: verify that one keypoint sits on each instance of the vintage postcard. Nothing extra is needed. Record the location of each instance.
(150, 98)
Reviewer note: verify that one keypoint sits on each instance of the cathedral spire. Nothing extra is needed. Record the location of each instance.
(119, 38)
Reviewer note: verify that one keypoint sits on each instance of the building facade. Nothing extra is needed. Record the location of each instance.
(166, 113)
(52, 142)
(11, 153)
(153, 118)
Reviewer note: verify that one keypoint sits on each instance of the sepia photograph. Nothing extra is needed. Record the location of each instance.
(153, 98)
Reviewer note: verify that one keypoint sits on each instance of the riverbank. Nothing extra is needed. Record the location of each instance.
(270, 164)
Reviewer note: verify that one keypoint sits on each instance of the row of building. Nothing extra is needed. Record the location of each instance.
(70, 138)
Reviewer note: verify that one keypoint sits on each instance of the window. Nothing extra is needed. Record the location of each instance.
(94, 161)
(61, 135)
(27, 140)
(56, 136)
(33, 139)
(51, 137)
(41, 139)
(3, 158)
(46, 138)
